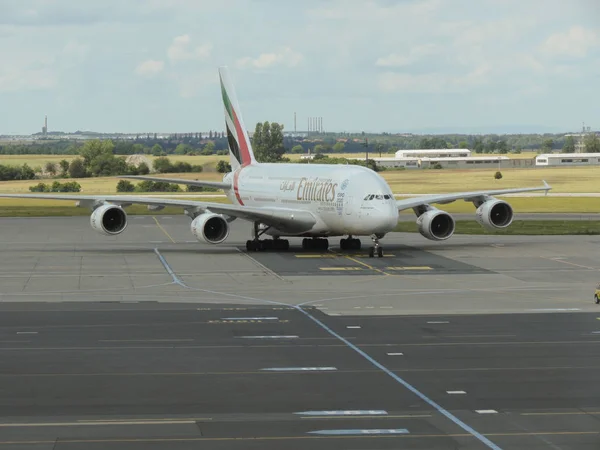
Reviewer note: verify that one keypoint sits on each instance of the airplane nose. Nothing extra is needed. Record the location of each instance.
(387, 219)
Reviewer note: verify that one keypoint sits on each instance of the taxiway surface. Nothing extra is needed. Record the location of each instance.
(152, 340)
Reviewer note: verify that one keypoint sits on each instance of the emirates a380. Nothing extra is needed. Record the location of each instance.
(310, 201)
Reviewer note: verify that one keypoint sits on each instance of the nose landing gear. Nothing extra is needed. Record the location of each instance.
(376, 249)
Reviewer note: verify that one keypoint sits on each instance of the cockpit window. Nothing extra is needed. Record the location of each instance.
(379, 197)
(387, 196)
(371, 197)
(366, 197)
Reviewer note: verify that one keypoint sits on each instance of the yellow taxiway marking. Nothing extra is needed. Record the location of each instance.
(315, 256)
(293, 438)
(567, 262)
(368, 266)
(163, 230)
(340, 268)
(410, 268)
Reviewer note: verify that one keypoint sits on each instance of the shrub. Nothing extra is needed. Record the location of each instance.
(498, 175)
(125, 186)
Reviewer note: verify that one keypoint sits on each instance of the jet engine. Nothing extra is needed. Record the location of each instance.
(494, 214)
(210, 227)
(436, 225)
(109, 219)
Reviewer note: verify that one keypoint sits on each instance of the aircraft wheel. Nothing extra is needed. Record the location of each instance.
(371, 252)
(344, 244)
(380, 252)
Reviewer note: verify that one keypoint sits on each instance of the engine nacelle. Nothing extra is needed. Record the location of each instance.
(436, 225)
(494, 215)
(210, 227)
(109, 219)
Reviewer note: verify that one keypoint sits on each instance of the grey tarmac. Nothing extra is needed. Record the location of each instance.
(151, 340)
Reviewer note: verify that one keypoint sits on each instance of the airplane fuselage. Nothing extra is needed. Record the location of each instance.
(345, 199)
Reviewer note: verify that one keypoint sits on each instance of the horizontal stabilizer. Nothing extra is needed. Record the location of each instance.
(201, 183)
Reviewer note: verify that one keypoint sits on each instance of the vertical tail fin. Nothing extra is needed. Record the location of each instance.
(240, 148)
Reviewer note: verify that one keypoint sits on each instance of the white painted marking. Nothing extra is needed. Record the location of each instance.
(249, 318)
(307, 369)
(27, 332)
(556, 309)
(395, 354)
(269, 337)
(486, 411)
(353, 326)
(386, 307)
(368, 412)
(438, 321)
(595, 332)
(156, 242)
(367, 431)
(369, 307)
(455, 392)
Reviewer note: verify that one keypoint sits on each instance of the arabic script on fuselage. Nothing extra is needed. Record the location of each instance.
(320, 190)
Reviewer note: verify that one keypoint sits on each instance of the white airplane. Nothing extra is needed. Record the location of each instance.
(313, 201)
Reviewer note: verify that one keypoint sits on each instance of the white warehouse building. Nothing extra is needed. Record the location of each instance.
(567, 159)
(434, 153)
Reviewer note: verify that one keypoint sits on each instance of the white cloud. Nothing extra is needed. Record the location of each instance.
(76, 50)
(436, 82)
(576, 42)
(181, 50)
(284, 56)
(150, 67)
(14, 79)
(415, 54)
(192, 85)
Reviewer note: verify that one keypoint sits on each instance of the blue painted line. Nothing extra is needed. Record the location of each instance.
(365, 431)
(404, 383)
(296, 369)
(358, 412)
(165, 264)
(178, 281)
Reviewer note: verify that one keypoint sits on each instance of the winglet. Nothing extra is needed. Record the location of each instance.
(548, 187)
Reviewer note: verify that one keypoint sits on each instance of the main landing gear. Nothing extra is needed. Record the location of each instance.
(350, 243)
(376, 249)
(257, 245)
(315, 244)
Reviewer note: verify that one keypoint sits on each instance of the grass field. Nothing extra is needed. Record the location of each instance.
(562, 179)
(13, 207)
(521, 227)
(207, 161)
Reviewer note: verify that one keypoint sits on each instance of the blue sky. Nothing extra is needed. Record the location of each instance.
(380, 65)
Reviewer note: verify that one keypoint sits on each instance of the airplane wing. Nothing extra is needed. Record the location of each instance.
(282, 218)
(201, 183)
(466, 196)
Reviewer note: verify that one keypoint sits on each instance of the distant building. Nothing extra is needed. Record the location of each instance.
(434, 153)
(567, 159)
